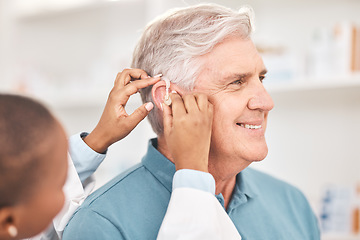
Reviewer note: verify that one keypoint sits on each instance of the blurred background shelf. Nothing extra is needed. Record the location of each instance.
(339, 237)
(345, 87)
(28, 10)
(341, 83)
(81, 100)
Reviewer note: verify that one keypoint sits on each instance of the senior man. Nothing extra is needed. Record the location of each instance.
(203, 48)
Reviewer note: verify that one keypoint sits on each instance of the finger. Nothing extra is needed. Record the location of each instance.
(117, 79)
(167, 118)
(202, 101)
(129, 74)
(134, 74)
(122, 95)
(190, 103)
(135, 86)
(120, 76)
(178, 107)
(138, 115)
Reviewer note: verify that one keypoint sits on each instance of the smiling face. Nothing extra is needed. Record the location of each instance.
(232, 78)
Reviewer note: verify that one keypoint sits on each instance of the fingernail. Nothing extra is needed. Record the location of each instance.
(149, 106)
(156, 76)
(148, 76)
(173, 91)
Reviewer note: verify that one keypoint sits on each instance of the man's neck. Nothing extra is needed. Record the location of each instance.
(163, 149)
(226, 188)
(223, 172)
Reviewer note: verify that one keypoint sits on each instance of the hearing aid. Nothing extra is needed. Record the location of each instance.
(167, 99)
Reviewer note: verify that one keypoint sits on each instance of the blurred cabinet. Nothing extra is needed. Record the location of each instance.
(38, 8)
(62, 48)
(340, 237)
(344, 84)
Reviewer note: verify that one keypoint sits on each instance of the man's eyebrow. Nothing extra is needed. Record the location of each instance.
(235, 76)
(241, 75)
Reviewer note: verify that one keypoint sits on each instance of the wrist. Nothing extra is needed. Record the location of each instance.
(193, 166)
(96, 142)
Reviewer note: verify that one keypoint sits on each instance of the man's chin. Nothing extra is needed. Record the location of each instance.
(258, 156)
(258, 160)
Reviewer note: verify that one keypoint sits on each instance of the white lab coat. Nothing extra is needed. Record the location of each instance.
(196, 214)
(197, 217)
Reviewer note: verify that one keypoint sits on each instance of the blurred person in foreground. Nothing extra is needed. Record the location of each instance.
(203, 49)
(33, 167)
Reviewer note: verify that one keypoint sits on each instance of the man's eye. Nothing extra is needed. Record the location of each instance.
(261, 78)
(237, 82)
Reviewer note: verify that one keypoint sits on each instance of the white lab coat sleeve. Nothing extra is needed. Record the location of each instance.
(75, 194)
(194, 212)
(85, 160)
(76, 191)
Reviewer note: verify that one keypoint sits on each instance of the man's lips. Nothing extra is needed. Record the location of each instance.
(249, 126)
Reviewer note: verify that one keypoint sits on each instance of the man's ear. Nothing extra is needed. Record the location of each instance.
(159, 90)
(6, 222)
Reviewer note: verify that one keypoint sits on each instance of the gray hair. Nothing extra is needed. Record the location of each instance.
(172, 45)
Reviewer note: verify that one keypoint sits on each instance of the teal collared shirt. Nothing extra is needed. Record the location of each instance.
(132, 205)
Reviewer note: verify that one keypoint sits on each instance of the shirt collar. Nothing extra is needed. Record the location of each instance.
(244, 190)
(161, 167)
(246, 184)
(163, 170)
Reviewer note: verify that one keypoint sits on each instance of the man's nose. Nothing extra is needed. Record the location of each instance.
(260, 99)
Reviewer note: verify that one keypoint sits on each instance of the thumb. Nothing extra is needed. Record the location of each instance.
(139, 114)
